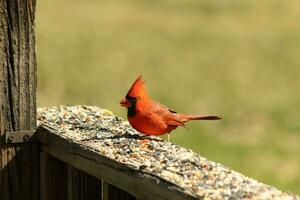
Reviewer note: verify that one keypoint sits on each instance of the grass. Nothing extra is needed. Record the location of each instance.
(236, 58)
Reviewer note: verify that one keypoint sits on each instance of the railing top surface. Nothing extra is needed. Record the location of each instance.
(99, 131)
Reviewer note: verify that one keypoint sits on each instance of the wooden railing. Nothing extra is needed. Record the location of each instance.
(88, 153)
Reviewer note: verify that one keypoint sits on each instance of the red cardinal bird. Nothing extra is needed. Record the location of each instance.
(150, 117)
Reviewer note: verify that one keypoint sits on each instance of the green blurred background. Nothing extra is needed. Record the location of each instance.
(236, 58)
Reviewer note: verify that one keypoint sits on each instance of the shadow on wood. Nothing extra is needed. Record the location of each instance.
(62, 181)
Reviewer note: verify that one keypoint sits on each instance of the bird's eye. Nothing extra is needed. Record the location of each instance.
(130, 98)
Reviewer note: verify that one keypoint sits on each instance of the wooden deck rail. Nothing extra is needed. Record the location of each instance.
(86, 153)
(122, 164)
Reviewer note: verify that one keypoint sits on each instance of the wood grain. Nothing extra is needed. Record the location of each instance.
(111, 192)
(83, 186)
(18, 164)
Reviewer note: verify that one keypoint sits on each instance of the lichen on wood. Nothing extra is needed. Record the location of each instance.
(160, 169)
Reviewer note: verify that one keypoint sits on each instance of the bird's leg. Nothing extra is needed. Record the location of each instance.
(169, 137)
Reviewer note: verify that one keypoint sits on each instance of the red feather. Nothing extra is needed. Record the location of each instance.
(138, 88)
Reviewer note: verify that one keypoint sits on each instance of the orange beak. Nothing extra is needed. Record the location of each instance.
(125, 103)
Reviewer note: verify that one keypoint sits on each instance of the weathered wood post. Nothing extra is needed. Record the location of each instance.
(19, 173)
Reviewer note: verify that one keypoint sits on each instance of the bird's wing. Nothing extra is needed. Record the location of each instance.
(175, 123)
(168, 116)
(155, 114)
(172, 111)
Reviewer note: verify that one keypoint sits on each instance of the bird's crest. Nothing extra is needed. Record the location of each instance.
(138, 88)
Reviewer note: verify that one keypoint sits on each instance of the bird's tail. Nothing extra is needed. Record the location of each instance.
(199, 117)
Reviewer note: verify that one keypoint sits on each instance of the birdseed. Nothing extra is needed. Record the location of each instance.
(113, 137)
